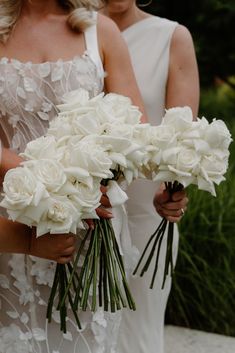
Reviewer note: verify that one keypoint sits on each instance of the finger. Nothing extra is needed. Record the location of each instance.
(173, 219)
(103, 189)
(173, 213)
(90, 223)
(105, 201)
(179, 195)
(103, 213)
(64, 259)
(174, 205)
(161, 198)
(68, 252)
(64, 240)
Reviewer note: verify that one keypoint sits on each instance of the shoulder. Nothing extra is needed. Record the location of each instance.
(109, 35)
(181, 37)
(106, 27)
(182, 53)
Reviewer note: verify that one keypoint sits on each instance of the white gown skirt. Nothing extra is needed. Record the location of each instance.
(142, 330)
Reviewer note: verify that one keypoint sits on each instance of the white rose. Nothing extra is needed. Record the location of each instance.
(116, 140)
(118, 102)
(94, 101)
(118, 129)
(170, 155)
(163, 174)
(40, 147)
(21, 189)
(213, 168)
(218, 135)
(163, 136)
(183, 169)
(74, 99)
(49, 172)
(134, 115)
(88, 156)
(141, 133)
(118, 107)
(60, 217)
(86, 124)
(136, 156)
(60, 126)
(87, 199)
(180, 118)
(187, 161)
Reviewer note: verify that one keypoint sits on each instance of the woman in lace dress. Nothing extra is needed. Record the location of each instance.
(48, 48)
(164, 62)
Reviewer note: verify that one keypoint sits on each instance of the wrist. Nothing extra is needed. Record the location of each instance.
(14, 237)
(9, 160)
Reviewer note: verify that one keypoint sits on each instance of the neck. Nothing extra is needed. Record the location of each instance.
(127, 17)
(40, 8)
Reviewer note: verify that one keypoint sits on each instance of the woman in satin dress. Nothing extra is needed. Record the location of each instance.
(164, 63)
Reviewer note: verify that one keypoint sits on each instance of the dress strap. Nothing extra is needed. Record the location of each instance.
(92, 46)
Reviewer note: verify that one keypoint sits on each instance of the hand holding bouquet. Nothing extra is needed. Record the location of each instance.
(184, 152)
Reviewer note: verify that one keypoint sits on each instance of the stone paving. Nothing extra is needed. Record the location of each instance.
(182, 340)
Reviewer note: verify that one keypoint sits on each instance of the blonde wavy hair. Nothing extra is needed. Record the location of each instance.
(79, 14)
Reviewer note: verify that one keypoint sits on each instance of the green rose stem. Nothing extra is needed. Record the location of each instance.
(156, 238)
(102, 273)
(102, 269)
(73, 274)
(60, 283)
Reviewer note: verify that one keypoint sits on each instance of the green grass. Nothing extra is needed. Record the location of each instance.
(203, 293)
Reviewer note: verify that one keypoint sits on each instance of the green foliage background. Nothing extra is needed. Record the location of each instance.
(203, 293)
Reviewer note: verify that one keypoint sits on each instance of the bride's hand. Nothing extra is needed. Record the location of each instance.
(56, 247)
(172, 207)
(102, 211)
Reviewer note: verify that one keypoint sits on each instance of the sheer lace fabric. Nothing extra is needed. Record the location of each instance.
(28, 97)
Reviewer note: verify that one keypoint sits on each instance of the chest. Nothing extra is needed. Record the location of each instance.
(44, 41)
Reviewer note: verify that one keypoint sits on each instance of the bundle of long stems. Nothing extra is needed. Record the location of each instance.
(156, 241)
(101, 276)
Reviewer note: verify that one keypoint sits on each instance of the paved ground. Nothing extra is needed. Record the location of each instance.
(181, 340)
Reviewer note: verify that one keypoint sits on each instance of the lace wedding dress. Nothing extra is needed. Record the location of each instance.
(28, 97)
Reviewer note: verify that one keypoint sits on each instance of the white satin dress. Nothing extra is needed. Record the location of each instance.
(142, 331)
(28, 97)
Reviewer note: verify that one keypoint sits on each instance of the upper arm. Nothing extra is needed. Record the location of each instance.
(117, 63)
(183, 79)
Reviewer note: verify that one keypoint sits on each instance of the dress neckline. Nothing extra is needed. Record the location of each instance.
(11, 61)
(139, 23)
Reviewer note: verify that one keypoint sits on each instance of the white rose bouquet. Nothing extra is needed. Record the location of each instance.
(102, 123)
(54, 190)
(183, 152)
(90, 143)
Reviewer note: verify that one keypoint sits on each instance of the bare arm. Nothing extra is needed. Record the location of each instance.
(117, 63)
(8, 161)
(14, 237)
(19, 239)
(183, 80)
(182, 89)
(8, 158)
